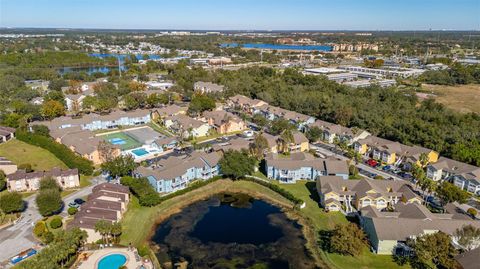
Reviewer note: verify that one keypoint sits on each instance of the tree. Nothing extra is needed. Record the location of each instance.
(3, 183)
(260, 121)
(423, 159)
(11, 202)
(347, 239)
(116, 230)
(448, 193)
(56, 222)
(52, 109)
(40, 229)
(49, 202)
(103, 228)
(314, 134)
(106, 151)
(237, 164)
(41, 130)
(472, 212)
(434, 251)
(286, 137)
(72, 211)
(119, 166)
(49, 183)
(467, 237)
(200, 103)
(258, 146)
(279, 125)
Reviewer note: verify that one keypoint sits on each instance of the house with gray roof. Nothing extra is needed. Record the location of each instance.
(388, 231)
(464, 176)
(303, 166)
(176, 172)
(336, 193)
(6, 133)
(207, 87)
(186, 126)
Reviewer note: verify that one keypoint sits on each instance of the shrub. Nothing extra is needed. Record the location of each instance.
(140, 187)
(56, 222)
(72, 211)
(26, 166)
(48, 237)
(60, 151)
(11, 202)
(49, 183)
(40, 229)
(379, 177)
(472, 211)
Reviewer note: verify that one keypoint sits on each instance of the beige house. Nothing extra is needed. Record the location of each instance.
(349, 195)
(106, 202)
(23, 181)
(245, 104)
(298, 144)
(7, 166)
(224, 122)
(186, 126)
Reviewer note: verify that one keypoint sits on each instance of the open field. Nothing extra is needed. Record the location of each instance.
(462, 98)
(20, 153)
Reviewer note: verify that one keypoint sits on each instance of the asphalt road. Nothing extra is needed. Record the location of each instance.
(19, 237)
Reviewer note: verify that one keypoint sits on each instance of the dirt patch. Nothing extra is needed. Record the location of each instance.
(462, 98)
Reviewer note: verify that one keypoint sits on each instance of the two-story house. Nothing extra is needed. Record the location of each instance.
(224, 122)
(23, 181)
(464, 176)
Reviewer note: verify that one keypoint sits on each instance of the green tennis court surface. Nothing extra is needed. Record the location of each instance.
(122, 140)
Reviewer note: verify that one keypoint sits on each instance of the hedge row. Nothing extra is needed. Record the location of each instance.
(276, 189)
(140, 187)
(63, 153)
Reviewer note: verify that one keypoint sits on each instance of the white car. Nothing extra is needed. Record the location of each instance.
(248, 133)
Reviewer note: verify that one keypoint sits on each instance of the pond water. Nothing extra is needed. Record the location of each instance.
(231, 231)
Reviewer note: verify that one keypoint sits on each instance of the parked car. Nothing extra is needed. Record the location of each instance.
(73, 204)
(372, 163)
(248, 133)
(79, 201)
(386, 168)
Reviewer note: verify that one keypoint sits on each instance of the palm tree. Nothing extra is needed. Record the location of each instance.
(101, 227)
(423, 160)
(286, 137)
(116, 230)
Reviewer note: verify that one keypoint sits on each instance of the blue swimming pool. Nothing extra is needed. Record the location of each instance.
(140, 152)
(113, 261)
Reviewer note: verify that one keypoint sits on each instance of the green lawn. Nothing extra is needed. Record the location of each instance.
(20, 153)
(326, 220)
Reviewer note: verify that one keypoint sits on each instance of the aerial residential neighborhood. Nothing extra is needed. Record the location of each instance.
(248, 134)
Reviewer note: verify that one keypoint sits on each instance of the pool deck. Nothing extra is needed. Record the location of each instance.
(95, 256)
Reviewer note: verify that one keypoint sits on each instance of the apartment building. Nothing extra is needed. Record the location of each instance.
(175, 173)
(388, 231)
(303, 166)
(245, 104)
(224, 122)
(464, 176)
(107, 202)
(336, 193)
(23, 181)
(186, 126)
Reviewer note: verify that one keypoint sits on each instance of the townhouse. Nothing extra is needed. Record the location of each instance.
(23, 181)
(107, 202)
(299, 143)
(207, 87)
(175, 173)
(168, 111)
(388, 231)
(7, 166)
(464, 176)
(74, 102)
(186, 127)
(336, 193)
(245, 104)
(302, 166)
(224, 122)
(237, 144)
(272, 142)
(390, 152)
(6, 133)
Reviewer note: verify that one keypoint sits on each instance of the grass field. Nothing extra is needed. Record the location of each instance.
(20, 153)
(462, 98)
(130, 143)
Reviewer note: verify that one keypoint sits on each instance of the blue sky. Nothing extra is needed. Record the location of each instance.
(244, 14)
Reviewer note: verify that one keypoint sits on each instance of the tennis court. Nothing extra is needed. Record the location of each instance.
(124, 141)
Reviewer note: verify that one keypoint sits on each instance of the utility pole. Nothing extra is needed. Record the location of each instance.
(119, 69)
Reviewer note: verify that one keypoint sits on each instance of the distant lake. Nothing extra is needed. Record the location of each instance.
(232, 231)
(277, 46)
(104, 69)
